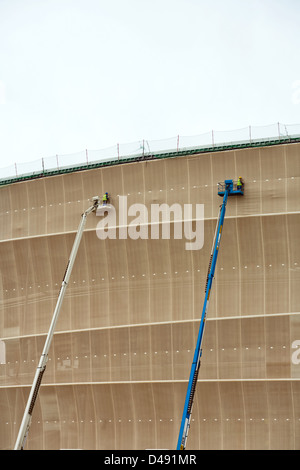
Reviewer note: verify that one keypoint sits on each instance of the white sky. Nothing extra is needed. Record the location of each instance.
(77, 74)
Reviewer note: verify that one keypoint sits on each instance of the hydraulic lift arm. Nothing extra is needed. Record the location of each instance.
(225, 190)
(26, 421)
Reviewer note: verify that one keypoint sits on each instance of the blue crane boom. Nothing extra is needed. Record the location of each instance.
(228, 188)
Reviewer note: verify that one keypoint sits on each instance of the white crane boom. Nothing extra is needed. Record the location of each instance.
(26, 421)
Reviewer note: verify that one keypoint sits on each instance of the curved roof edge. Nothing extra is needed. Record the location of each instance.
(151, 156)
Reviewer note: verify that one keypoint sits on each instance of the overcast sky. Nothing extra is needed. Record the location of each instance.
(77, 74)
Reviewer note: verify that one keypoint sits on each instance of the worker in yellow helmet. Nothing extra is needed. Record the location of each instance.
(239, 185)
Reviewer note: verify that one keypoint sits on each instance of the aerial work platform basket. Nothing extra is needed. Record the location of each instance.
(235, 187)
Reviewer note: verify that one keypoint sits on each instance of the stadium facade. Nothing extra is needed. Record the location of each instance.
(120, 359)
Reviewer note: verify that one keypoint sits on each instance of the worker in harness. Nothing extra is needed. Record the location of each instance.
(105, 199)
(239, 185)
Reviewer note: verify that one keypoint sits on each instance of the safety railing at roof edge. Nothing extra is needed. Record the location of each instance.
(213, 139)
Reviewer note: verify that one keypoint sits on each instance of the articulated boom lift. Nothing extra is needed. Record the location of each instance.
(228, 188)
(26, 421)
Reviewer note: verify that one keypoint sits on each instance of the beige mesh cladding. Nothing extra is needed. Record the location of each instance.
(120, 358)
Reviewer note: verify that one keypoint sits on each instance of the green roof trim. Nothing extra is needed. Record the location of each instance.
(148, 156)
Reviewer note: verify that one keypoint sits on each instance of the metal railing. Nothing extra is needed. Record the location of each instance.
(235, 186)
(213, 140)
